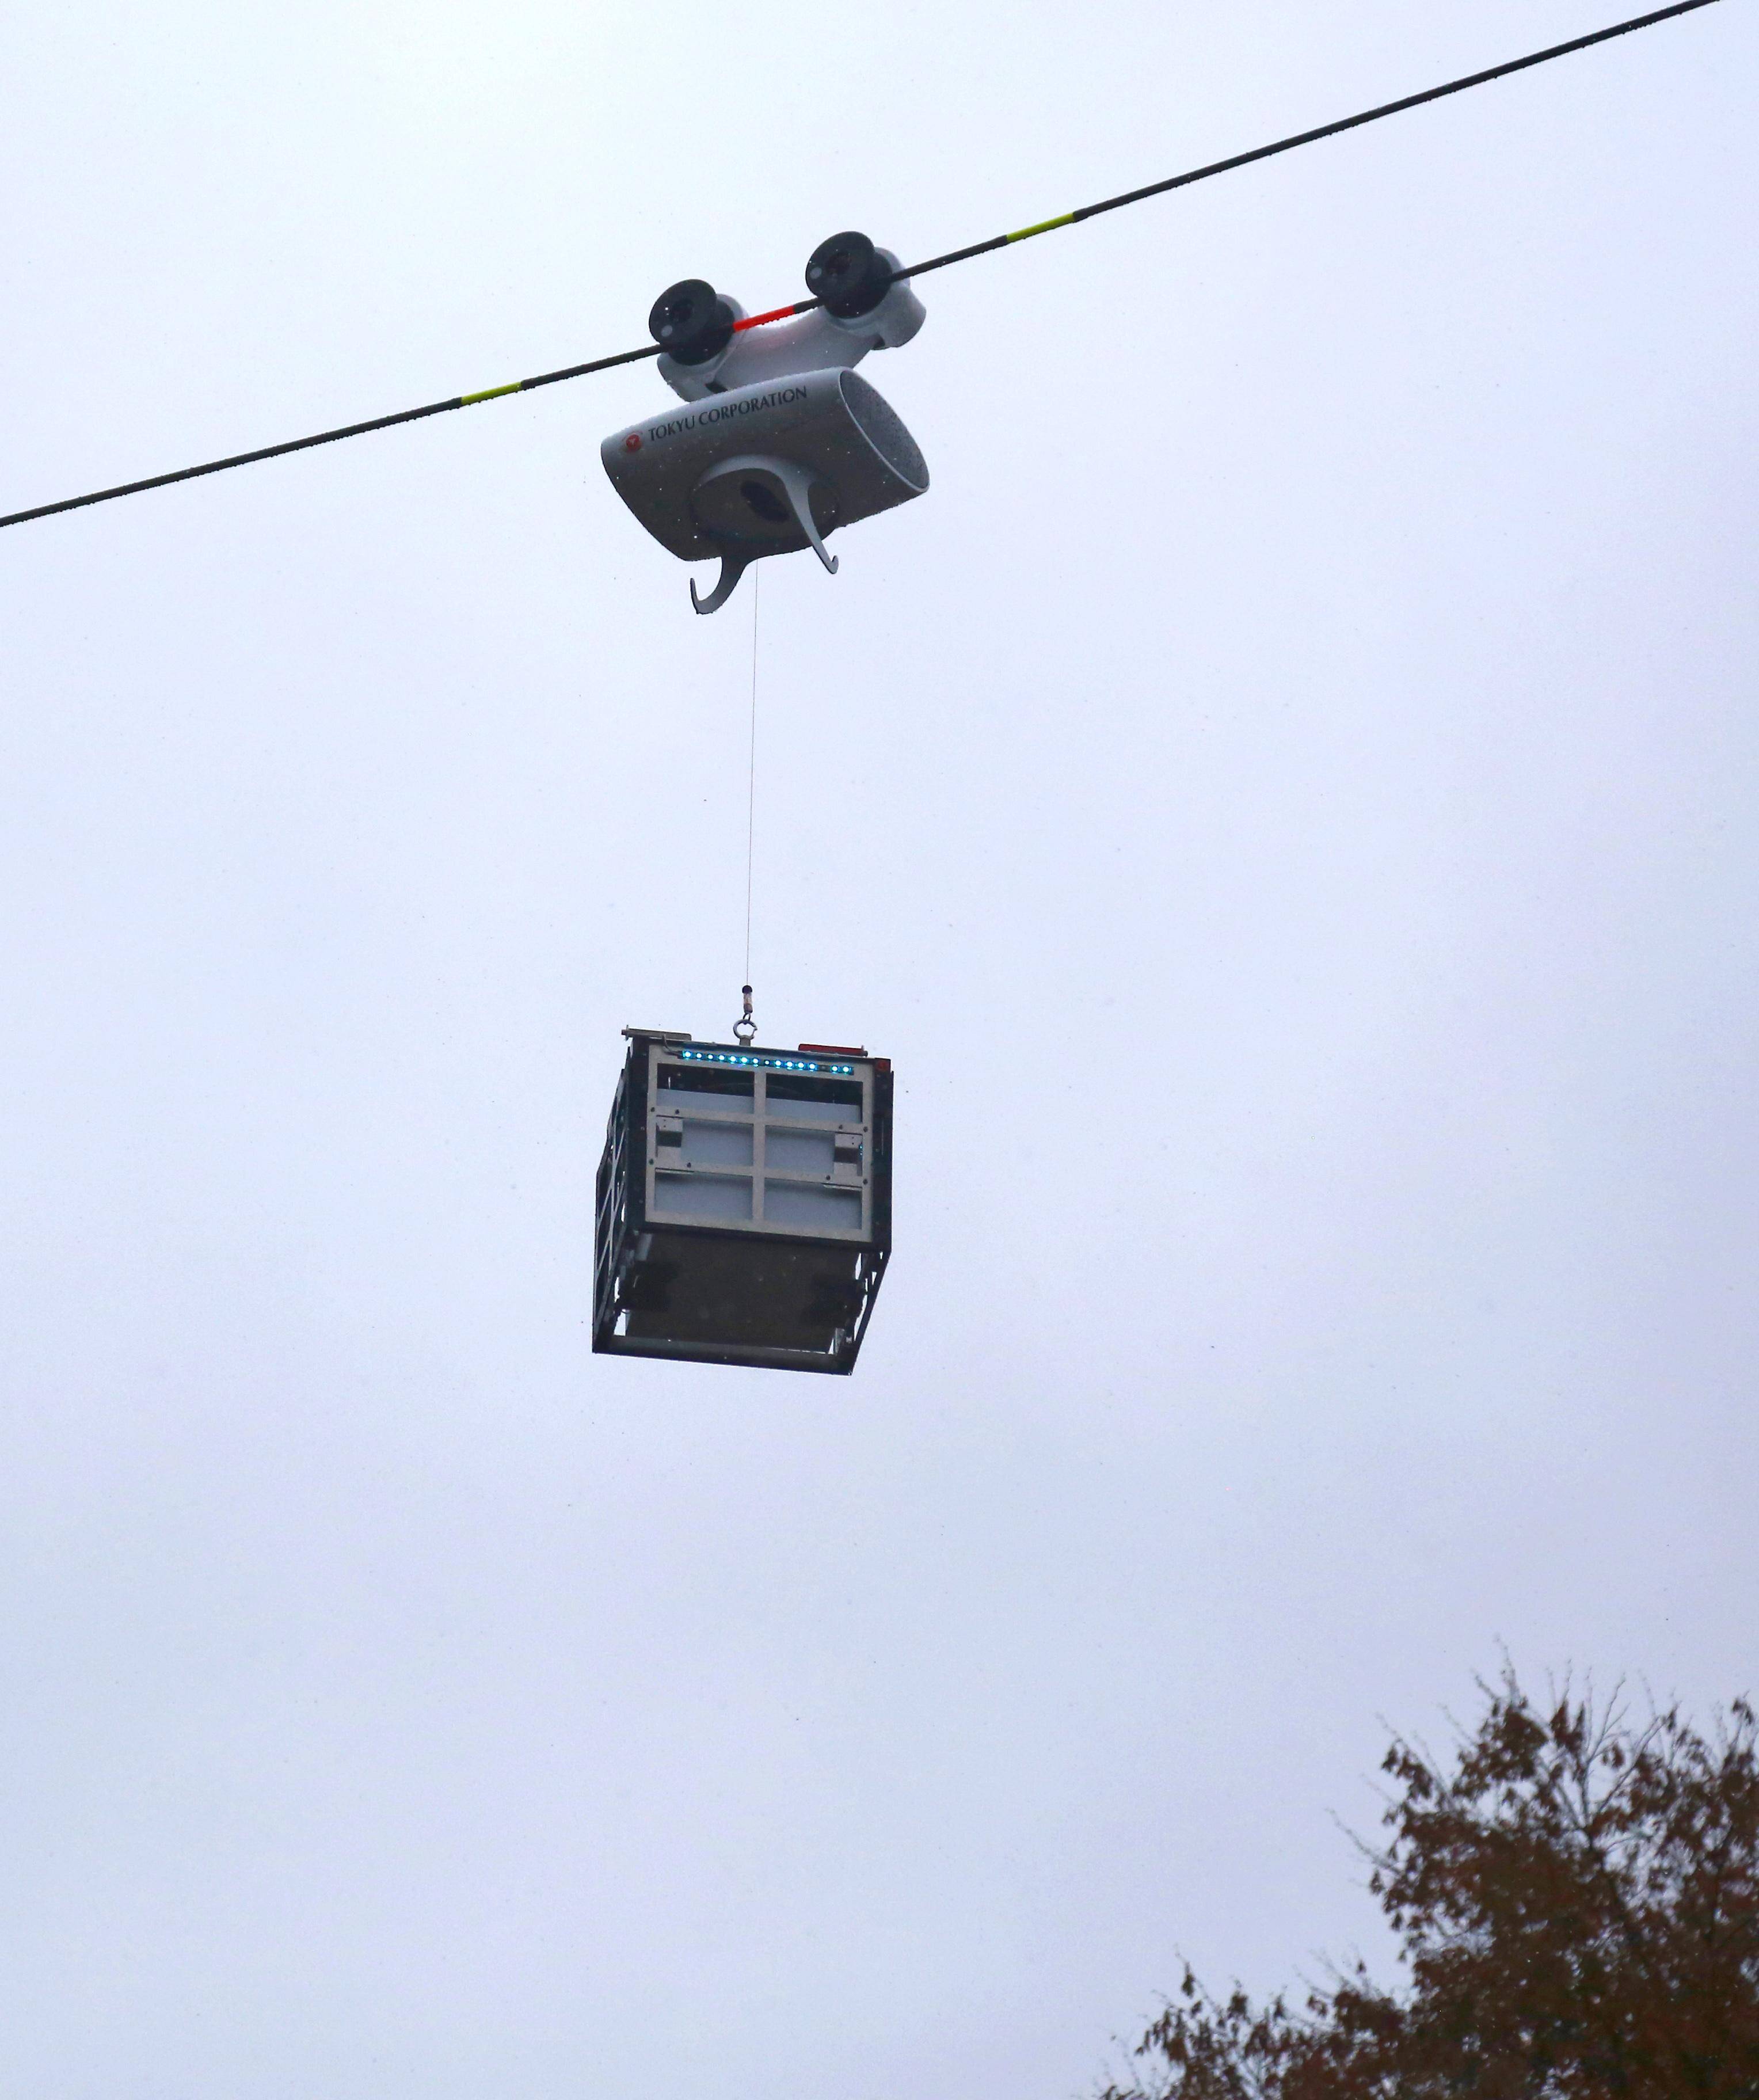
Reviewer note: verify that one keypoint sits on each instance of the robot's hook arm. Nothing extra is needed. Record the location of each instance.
(799, 488)
(733, 566)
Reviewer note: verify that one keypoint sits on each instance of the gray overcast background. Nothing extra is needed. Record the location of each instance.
(1286, 800)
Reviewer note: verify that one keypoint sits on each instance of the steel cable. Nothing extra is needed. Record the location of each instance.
(916, 270)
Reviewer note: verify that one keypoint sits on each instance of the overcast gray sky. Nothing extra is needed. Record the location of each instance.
(1285, 801)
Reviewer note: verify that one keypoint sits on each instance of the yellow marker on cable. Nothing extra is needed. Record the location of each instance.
(1048, 226)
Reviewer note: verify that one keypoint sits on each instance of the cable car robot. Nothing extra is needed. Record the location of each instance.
(781, 443)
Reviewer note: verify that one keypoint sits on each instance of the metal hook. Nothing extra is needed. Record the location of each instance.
(745, 1028)
(733, 564)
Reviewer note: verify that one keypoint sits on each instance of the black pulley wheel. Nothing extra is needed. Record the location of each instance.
(691, 322)
(848, 273)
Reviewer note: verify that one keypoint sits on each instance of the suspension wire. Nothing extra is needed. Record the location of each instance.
(751, 787)
(917, 270)
(329, 436)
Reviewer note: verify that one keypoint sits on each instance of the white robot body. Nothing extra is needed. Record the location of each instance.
(771, 468)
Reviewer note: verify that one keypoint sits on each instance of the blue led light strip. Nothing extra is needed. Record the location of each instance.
(745, 1062)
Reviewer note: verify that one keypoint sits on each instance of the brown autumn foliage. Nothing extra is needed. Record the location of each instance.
(1576, 1907)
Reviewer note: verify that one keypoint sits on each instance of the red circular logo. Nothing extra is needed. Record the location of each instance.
(632, 443)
